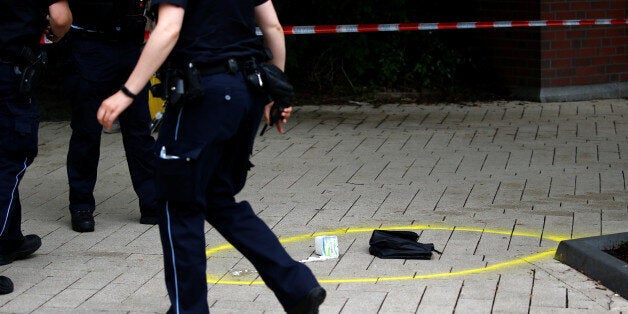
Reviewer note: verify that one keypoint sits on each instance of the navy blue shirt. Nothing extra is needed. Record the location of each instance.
(23, 22)
(215, 30)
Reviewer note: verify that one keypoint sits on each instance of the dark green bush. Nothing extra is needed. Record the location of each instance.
(355, 62)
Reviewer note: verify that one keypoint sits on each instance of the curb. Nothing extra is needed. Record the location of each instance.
(586, 255)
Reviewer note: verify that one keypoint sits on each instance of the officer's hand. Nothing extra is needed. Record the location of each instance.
(111, 108)
(284, 116)
(50, 35)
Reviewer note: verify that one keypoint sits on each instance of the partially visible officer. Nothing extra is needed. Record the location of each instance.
(23, 23)
(105, 42)
(206, 140)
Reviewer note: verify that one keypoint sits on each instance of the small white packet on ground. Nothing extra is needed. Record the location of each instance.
(326, 246)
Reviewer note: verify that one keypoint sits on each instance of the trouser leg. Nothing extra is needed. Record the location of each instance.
(183, 241)
(19, 124)
(11, 173)
(139, 148)
(84, 148)
(238, 223)
(287, 278)
(136, 138)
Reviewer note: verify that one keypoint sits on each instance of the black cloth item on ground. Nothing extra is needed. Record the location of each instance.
(399, 244)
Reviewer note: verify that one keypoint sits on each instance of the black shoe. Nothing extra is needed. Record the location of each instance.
(149, 219)
(311, 302)
(6, 285)
(82, 221)
(31, 243)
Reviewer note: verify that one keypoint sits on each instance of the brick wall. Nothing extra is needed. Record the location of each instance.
(583, 55)
(550, 60)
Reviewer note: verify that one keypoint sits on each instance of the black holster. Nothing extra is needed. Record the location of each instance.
(30, 64)
(268, 78)
(179, 85)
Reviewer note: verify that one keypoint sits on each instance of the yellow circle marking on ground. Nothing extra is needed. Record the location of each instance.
(517, 261)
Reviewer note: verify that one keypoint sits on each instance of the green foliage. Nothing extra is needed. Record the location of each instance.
(355, 62)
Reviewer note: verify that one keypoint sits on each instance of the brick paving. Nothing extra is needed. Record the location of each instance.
(493, 186)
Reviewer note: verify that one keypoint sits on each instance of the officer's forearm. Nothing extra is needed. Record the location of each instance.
(276, 43)
(60, 18)
(161, 42)
(269, 24)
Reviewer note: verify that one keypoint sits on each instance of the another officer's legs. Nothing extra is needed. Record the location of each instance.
(19, 123)
(92, 81)
(83, 153)
(101, 65)
(138, 142)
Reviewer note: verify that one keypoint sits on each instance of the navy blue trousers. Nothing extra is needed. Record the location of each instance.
(19, 124)
(101, 67)
(212, 141)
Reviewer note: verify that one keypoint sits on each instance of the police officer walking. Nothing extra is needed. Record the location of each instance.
(206, 140)
(23, 23)
(105, 42)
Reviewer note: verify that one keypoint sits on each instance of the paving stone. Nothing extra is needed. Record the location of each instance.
(542, 170)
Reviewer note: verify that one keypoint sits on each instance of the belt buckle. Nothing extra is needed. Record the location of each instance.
(232, 66)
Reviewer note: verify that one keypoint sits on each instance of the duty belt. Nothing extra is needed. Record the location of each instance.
(230, 66)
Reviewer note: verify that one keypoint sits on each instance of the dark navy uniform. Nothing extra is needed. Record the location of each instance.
(23, 22)
(204, 149)
(103, 59)
(22, 26)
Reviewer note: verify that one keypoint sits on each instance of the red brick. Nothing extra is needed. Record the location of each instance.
(618, 59)
(588, 71)
(561, 63)
(576, 32)
(561, 44)
(585, 52)
(596, 14)
(579, 62)
(561, 34)
(600, 60)
(619, 41)
(548, 54)
(580, 5)
(607, 51)
(565, 15)
(591, 42)
(617, 4)
(558, 82)
(582, 80)
(562, 56)
(595, 32)
(555, 7)
(601, 5)
(616, 31)
(619, 13)
(565, 54)
(617, 68)
(549, 73)
(567, 72)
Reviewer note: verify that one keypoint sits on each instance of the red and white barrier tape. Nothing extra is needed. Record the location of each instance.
(365, 28)
(369, 28)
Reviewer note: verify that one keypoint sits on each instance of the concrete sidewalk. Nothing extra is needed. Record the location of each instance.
(494, 186)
